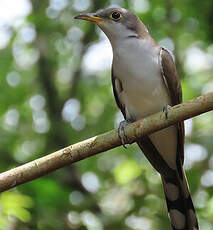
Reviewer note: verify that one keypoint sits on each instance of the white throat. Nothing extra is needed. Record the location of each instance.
(116, 32)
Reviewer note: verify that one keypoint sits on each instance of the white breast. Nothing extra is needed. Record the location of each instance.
(135, 63)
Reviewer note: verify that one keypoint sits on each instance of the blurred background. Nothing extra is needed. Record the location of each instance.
(56, 90)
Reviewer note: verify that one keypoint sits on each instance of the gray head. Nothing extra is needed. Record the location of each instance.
(117, 23)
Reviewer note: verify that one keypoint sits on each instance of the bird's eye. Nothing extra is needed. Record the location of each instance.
(116, 15)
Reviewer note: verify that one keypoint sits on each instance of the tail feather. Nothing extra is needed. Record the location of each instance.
(179, 203)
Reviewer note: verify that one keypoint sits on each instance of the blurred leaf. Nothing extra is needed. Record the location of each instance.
(127, 171)
(17, 205)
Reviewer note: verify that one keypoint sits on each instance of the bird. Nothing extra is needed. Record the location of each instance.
(145, 81)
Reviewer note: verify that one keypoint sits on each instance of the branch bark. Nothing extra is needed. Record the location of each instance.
(103, 142)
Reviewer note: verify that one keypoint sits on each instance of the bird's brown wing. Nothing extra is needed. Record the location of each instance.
(170, 76)
(172, 82)
(117, 90)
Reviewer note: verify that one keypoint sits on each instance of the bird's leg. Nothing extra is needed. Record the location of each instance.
(166, 110)
(122, 132)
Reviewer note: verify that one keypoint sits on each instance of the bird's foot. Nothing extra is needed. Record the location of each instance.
(122, 132)
(166, 110)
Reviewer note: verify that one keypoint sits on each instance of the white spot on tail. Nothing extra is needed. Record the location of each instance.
(171, 191)
(178, 220)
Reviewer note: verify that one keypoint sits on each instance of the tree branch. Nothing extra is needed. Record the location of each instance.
(103, 142)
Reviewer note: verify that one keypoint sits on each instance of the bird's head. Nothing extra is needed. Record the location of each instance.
(116, 23)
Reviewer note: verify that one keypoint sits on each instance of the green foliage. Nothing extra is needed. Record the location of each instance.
(127, 171)
(15, 205)
(55, 91)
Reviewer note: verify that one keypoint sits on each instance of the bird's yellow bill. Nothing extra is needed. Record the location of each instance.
(89, 17)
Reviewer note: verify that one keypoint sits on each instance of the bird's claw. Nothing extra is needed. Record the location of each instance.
(166, 110)
(122, 132)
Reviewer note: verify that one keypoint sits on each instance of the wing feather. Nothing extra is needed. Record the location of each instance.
(117, 90)
(170, 76)
(172, 82)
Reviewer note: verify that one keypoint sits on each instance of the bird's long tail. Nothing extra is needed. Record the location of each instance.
(179, 203)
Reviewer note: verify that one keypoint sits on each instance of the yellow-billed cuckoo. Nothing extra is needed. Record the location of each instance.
(145, 81)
